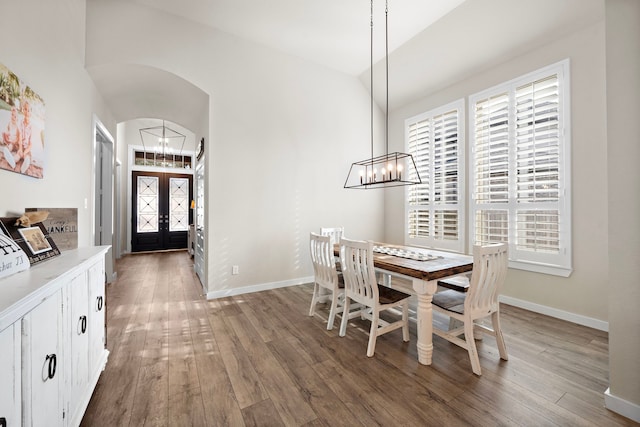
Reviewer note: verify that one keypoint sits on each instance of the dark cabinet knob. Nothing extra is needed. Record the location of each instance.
(100, 303)
(3, 422)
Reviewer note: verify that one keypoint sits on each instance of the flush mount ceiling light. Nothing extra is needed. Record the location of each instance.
(389, 169)
(161, 139)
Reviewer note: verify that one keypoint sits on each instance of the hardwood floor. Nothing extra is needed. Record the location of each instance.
(259, 360)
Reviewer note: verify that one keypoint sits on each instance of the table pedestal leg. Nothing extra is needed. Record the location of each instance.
(425, 291)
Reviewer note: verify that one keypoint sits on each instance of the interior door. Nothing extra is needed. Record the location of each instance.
(103, 201)
(161, 211)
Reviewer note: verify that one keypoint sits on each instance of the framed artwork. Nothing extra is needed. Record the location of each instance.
(21, 126)
(35, 240)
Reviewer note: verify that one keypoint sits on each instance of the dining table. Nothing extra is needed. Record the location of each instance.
(422, 268)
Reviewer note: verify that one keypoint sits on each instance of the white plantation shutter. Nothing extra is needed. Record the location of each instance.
(492, 149)
(434, 208)
(419, 137)
(520, 169)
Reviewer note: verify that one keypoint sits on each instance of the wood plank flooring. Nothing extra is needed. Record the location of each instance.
(259, 360)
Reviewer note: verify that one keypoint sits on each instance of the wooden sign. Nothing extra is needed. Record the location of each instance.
(62, 226)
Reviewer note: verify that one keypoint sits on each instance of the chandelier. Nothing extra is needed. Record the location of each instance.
(161, 139)
(389, 169)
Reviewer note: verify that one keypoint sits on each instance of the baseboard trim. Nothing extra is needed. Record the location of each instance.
(259, 287)
(621, 406)
(559, 314)
(536, 308)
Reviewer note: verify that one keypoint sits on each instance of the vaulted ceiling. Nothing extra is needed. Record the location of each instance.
(432, 43)
(335, 33)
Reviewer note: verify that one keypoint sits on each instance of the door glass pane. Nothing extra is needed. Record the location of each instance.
(200, 197)
(147, 204)
(178, 204)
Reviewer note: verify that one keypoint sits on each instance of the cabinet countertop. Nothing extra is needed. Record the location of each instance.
(21, 292)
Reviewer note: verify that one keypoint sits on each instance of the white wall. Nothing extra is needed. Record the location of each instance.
(623, 153)
(581, 293)
(282, 134)
(44, 45)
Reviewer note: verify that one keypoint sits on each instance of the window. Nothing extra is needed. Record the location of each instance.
(435, 214)
(519, 168)
(163, 160)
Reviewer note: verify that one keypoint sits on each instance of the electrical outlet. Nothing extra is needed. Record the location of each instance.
(235, 270)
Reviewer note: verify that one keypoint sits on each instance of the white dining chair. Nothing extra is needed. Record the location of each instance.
(360, 286)
(335, 233)
(490, 264)
(325, 276)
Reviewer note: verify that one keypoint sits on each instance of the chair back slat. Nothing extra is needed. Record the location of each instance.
(335, 233)
(324, 267)
(490, 265)
(356, 258)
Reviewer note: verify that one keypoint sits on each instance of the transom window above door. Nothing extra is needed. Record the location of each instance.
(162, 160)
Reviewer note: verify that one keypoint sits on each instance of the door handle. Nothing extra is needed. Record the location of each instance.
(83, 324)
(53, 362)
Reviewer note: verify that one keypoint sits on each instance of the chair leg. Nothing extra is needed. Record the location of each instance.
(502, 348)
(314, 299)
(332, 312)
(471, 346)
(373, 333)
(345, 316)
(405, 321)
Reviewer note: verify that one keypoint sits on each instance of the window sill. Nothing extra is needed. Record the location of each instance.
(553, 270)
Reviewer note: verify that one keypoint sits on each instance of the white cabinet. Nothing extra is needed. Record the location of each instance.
(10, 386)
(52, 339)
(42, 364)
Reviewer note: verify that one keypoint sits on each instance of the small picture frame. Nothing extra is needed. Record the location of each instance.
(35, 240)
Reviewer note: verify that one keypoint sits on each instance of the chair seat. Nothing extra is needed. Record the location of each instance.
(450, 300)
(457, 283)
(390, 296)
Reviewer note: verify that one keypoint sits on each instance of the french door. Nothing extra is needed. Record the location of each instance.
(160, 208)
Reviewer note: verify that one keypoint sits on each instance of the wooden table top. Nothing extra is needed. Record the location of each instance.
(447, 263)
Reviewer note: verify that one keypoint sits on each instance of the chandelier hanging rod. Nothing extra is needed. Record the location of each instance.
(385, 170)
